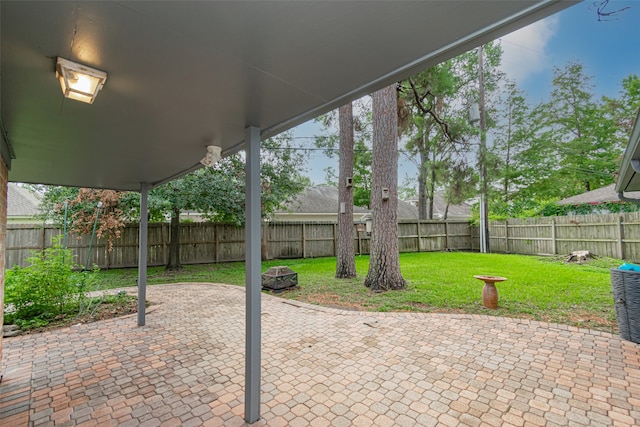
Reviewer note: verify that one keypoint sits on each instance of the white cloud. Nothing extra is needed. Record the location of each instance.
(525, 50)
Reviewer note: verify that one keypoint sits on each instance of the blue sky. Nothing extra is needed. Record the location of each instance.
(609, 51)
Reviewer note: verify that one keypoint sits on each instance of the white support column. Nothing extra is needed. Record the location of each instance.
(484, 223)
(252, 275)
(142, 253)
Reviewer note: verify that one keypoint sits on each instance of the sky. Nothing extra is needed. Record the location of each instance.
(609, 50)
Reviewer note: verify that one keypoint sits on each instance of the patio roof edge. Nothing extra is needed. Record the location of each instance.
(632, 152)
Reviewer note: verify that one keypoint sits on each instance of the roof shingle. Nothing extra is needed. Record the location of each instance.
(599, 195)
(21, 201)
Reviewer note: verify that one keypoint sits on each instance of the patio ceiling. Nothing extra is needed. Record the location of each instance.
(184, 75)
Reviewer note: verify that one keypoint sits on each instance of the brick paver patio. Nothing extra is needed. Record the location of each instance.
(321, 367)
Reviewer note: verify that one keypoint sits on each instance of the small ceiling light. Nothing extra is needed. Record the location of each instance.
(79, 82)
(214, 153)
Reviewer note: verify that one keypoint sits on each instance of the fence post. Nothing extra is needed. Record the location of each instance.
(304, 242)
(216, 243)
(335, 240)
(44, 238)
(446, 235)
(473, 232)
(554, 244)
(506, 235)
(265, 241)
(164, 232)
(620, 238)
(419, 236)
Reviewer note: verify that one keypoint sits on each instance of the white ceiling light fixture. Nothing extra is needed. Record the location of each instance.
(78, 81)
(214, 153)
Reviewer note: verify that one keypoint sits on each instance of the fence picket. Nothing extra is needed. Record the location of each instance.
(209, 242)
(612, 235)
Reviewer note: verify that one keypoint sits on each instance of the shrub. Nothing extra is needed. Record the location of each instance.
(46, 288)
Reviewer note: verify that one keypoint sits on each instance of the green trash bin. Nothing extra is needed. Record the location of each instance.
(626, 296)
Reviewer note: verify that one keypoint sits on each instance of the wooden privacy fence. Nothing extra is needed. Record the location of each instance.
(611, 235)
(213, 243)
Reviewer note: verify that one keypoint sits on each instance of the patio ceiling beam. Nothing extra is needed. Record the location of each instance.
(253, 340)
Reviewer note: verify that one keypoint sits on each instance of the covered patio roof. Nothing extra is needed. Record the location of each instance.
(185, 75)
(629, 173)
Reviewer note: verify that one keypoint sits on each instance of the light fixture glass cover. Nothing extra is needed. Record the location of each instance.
(78, 81)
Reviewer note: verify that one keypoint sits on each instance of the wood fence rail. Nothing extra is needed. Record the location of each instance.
(213, 242)
(612, 235)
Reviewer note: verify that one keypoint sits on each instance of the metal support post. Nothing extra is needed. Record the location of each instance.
(482, 160)
(252, 275)
(483, 224)
(142, 253)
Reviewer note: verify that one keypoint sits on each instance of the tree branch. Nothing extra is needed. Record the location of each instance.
(419, 103)
(600, 7)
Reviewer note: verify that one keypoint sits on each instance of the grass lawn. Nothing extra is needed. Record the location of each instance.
(537, 288)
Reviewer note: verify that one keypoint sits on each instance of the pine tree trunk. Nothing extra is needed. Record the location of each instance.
(422, 186)
(174, 244)
(384, 266)
(422, 198)
(346, 264)
(432, 192)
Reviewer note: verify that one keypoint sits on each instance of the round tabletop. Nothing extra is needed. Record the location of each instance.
(490, 279)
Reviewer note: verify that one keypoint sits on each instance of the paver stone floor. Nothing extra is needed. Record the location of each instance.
(320, 367)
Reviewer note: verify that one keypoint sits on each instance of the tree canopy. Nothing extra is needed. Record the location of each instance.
(216, 192)
(536, 153)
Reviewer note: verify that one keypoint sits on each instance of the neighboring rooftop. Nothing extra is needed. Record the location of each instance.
(21, 202)
(318, 199)
(323, 199)
(440, 206)
(600, 195)
(407, 210)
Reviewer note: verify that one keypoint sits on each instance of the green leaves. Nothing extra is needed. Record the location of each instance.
(439, 134)
(218, 192)
(580, 133)
(47, 287)
(562, 147)
(362, 154)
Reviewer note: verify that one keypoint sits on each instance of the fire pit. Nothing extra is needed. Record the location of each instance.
(278, 279)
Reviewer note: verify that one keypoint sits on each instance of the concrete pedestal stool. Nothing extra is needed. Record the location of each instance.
(489, 291)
